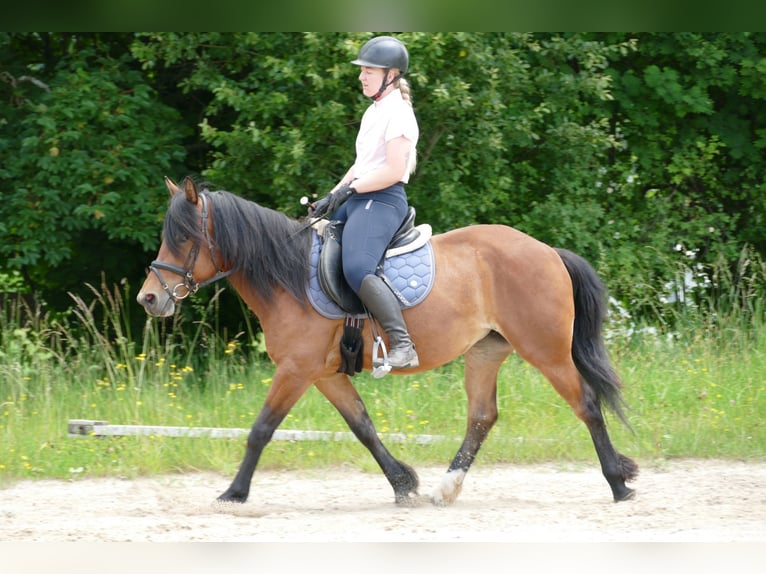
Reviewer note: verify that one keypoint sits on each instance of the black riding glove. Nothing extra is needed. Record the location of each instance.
(332, 201)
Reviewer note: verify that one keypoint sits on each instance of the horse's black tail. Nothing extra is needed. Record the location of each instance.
(588, 349)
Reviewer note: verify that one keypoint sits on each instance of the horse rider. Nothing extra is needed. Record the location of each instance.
(370, 198)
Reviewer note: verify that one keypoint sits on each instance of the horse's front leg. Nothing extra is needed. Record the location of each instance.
(342, 394)
(282, 396)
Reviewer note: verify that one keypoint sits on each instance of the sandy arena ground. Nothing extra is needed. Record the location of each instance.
(677, 501)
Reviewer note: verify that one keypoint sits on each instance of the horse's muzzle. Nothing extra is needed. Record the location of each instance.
(156, 304)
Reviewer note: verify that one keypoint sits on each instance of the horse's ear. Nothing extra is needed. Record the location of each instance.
(190, 188)
(171, 185)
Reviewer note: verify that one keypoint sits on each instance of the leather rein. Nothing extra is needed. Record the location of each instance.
(189, 286)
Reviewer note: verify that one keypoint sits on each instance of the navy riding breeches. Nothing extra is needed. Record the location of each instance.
(371, 219)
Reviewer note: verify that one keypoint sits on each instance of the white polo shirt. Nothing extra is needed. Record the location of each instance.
(385, 120)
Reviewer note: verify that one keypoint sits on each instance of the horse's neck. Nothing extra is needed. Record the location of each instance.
(282, 303)
(249, 295)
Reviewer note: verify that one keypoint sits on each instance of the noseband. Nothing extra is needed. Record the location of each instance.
(189, 286)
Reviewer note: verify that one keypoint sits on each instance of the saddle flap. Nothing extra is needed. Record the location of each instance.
(330, 271)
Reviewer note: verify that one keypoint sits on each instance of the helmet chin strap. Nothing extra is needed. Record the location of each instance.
(384, 84)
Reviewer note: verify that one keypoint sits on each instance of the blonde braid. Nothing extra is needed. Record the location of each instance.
(404, 86)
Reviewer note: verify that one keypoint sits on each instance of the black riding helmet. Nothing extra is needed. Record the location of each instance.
(384, 52)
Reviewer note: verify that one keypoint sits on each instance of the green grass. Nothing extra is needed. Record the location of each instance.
(699, 395)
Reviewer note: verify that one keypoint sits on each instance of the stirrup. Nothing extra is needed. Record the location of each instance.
(380, 365)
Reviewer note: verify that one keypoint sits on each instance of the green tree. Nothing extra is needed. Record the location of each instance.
(688, 185)
(83, 160)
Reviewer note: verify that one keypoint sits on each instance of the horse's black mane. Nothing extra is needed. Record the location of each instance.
(267, 246)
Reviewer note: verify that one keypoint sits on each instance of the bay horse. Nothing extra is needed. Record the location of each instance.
(497, 291)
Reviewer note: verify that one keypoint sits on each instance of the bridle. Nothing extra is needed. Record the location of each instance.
(189, 286)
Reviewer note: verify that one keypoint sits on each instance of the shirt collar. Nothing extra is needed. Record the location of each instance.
(388, 98)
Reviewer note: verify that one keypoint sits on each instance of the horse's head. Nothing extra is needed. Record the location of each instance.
(186, 260)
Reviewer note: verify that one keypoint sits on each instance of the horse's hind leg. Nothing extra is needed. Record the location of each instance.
(482, 363)
(342, 394)
(617, 468)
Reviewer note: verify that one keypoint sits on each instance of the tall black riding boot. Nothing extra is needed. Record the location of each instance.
(384, 306)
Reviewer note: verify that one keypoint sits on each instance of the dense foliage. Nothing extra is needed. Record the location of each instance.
(643, 152)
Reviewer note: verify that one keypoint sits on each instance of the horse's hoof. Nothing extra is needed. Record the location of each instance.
(409, 500)
(629, 494)
(449, 488)
(232, 497)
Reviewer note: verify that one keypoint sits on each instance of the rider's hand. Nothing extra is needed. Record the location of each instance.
(321, 207)
(332, 201)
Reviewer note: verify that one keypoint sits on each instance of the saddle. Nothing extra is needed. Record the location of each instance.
(409, 246)
(330, 269)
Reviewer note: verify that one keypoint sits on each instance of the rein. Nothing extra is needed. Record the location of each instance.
(189, 286)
